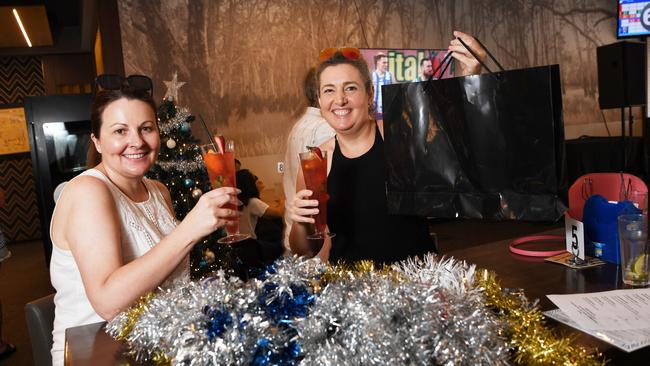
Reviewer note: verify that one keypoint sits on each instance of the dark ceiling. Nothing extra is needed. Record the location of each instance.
(73, 24)
(62, 13)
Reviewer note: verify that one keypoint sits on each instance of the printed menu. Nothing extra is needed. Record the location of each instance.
(620, 317)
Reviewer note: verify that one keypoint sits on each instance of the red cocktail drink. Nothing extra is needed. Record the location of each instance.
(220, 164)
(314, 170)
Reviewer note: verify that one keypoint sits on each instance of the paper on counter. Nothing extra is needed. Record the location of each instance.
(626, 340)
(609, 310)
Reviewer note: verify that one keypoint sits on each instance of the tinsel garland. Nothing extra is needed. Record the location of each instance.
(431, 312)
(175, 122)
(182, 166)
(535, 343)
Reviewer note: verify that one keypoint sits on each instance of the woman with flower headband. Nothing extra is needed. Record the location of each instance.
(114, 234)
(357, 208)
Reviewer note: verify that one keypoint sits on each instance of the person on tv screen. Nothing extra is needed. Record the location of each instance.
(426, 70)
(357, 209)
(114, 233)
(380, 76)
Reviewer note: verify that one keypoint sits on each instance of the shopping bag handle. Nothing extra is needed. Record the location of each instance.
(446, 61)
(476, 56)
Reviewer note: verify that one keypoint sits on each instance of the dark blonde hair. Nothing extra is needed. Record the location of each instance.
(338, 59)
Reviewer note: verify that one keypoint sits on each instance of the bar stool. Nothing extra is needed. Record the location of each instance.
(40, 323)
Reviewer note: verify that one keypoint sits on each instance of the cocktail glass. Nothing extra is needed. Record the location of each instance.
(314, 169)
(221, 170)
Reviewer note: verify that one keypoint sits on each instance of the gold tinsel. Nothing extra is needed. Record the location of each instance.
(345, 271)
(133, 314)
(533, 342)
(159, 358)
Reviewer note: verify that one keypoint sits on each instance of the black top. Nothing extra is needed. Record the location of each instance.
(357, 212)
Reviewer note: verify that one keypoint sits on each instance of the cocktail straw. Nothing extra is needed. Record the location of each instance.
(214, 144)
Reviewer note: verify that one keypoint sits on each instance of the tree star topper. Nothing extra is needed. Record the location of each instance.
(172, 88)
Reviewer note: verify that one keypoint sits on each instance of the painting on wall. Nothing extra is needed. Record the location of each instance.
(244, 63)
(389, 66)
(13, 131)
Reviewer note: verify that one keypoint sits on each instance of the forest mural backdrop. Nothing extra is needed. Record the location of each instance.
(244, 60)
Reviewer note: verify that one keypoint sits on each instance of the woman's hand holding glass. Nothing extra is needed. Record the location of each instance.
(302, 209)
(209, 213)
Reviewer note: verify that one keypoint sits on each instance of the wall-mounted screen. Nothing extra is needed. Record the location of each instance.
(633, 18)
(390, 65)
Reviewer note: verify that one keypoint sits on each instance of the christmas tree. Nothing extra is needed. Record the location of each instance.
(180, 167)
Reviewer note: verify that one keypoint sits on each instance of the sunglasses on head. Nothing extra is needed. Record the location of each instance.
(117, 82)
(350, 53)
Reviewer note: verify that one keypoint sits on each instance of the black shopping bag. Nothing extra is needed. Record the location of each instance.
(487, 146)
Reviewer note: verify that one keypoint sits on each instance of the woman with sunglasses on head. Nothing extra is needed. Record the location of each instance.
(357, 208)
(114, 233)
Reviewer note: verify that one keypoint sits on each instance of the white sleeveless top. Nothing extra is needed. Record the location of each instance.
(143, 225)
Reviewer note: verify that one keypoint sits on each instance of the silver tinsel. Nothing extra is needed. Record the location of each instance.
(430, 316)
(425, 312)
(182, 114)
(183, 166)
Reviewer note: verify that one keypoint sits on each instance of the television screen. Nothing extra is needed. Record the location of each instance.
(633, 18)
(388, 66)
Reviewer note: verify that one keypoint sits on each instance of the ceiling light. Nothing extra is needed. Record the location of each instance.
(22, 29)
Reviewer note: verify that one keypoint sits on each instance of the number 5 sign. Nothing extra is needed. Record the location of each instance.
(575, 238)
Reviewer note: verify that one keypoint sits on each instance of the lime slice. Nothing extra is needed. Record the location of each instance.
(639, 265)
(631, 276)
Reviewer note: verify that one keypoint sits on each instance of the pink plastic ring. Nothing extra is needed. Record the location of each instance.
(536, 253)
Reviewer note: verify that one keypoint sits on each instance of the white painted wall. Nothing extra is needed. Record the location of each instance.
(266, 169)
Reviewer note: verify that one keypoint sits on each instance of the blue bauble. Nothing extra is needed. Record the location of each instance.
(186, 128)
(189, 183)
